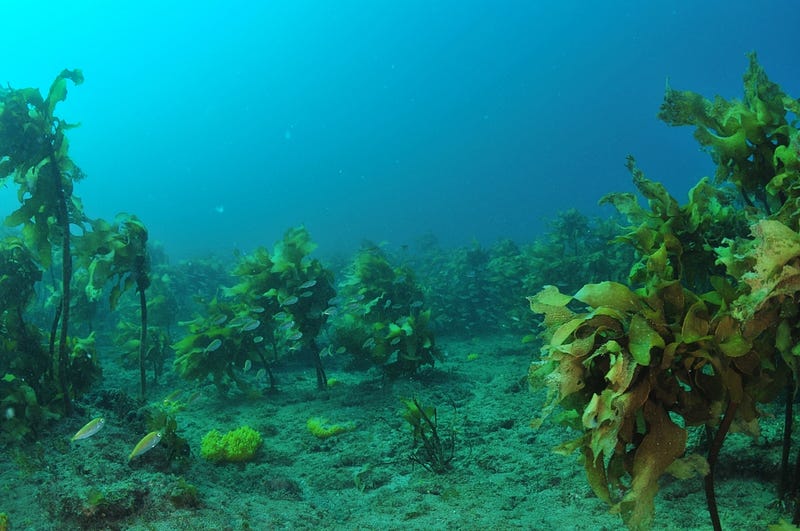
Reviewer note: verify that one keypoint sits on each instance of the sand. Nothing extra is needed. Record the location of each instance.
(504, 474)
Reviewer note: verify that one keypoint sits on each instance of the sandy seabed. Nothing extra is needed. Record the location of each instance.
(504, 474)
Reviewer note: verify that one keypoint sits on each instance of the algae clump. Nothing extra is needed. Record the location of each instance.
(238, 445)
(320, 428)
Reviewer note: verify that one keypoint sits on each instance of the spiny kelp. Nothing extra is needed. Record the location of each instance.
(379, 316)
(276, 308)
(706, 328)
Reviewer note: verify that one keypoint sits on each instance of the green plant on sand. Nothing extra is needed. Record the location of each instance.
(34, 153)
(238, 445)
(380, 319)
(433, 451)
(707, 328)
(276, 308)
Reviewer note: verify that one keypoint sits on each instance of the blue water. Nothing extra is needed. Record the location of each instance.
(222, 123)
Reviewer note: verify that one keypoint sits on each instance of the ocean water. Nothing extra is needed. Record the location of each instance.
(221, 124)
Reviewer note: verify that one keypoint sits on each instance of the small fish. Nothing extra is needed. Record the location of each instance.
(332, 311)
(289, 301)
(369, 343)
(387, 303)
(286, 326)
(258, 339)
(307, 284)
(91, 427)
(172, 396)
(306, 294)
(239, 321)
(252, 325)
(247, 365)
(341, 350)
(214, 345)
(257, 309)
(221, 319)
(416, 304)
(395, 341)
(261, 374)
(280, 316)
(295, 336)
(147, 443)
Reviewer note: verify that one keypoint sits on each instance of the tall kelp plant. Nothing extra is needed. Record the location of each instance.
(116, 253)
(56, 234)
(34, 153)
(706, 328)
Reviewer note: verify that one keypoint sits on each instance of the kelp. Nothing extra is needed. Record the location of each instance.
(277, 307)
(34, 152)
(380, 319)
(705, 328)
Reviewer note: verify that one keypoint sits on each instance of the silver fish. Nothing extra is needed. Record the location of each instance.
(214, 345)
(289, 301)
(252, 325)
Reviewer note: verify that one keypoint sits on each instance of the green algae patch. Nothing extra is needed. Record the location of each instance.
(238, 445)
(320, 428)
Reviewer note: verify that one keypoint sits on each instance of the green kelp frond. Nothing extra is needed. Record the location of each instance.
(747, 139)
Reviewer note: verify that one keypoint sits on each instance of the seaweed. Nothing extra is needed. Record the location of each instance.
(705, 327)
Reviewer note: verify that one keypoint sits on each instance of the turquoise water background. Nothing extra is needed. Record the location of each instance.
(221, 124)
